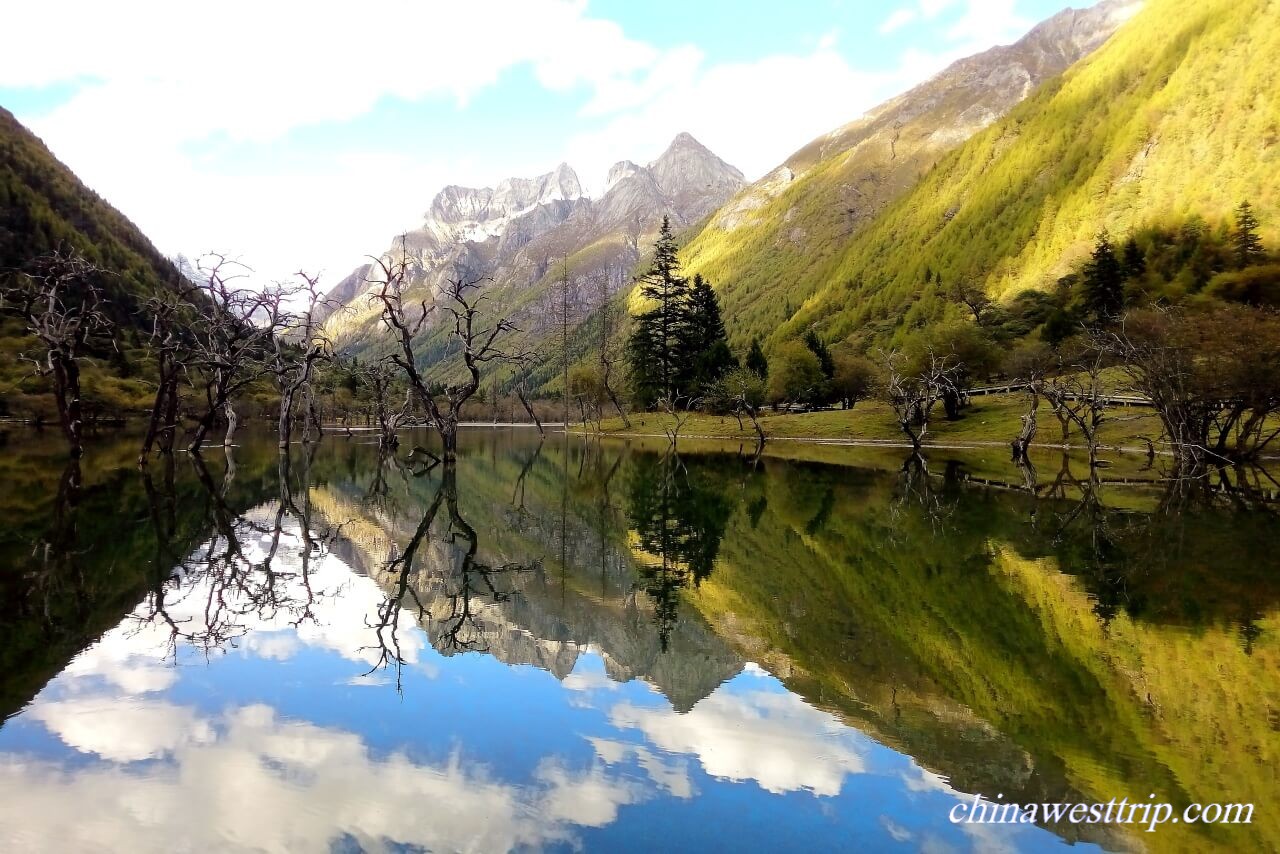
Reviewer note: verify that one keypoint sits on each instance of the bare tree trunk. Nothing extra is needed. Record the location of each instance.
(529, 409)
(232, 421)
(66, 389)
(1028, 432)
(449, 438)
(169, 425)
(285, 428)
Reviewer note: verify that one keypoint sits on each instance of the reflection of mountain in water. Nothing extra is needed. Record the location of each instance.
(557, 610)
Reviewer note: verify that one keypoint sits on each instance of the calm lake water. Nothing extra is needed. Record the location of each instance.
(591, 645)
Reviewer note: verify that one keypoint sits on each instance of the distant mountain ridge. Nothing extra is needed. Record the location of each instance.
(521, 229)
(787, 225)
(1173, 120)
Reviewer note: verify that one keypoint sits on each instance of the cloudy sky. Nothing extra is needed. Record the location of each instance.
(308, 134)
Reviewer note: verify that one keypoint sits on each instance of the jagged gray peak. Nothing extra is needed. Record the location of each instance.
(477, 213)
(513, 229)
(620, 170)
(689, 166)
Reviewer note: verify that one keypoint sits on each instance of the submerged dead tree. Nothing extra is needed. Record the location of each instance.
(293, 365)
(380, 378)
(476, 339)
(913, 395)
(171, 314)
(234, 329)
(62, 300)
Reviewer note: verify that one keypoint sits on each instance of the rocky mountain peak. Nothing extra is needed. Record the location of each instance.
(689, 174)
(1077, 32)
(620, 170)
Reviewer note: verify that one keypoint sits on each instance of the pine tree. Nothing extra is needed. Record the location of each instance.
(756, 361)
(644, 359)
(654, 346)
(1104, 282)
(703, 354)
(1135, 260)
(819, 349)
(1248, 246)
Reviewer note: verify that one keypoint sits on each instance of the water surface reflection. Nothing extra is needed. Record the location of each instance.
(593, 644)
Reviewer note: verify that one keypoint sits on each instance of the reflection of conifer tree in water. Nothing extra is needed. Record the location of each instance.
(679, 517)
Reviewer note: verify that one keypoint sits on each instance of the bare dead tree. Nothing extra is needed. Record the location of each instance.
(477, 339)
(61, 300)
(172, 312)
(234, 329)
(1212, 377)
(523, 364)
(680, 409)
(914, 395)
(744, 392)
(380, 378)
(293, 365)
(1029, 366)
(1078, 396)
(609, 350)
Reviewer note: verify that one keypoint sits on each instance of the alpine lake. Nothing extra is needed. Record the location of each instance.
(598, 644)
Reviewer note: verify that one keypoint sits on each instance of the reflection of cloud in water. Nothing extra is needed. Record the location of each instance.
(122, 730)
(672, 778)
(264, 783)
(341, 606)
(773, 738)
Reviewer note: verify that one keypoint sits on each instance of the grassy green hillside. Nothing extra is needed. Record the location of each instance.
(1173, 117)
(43, 207)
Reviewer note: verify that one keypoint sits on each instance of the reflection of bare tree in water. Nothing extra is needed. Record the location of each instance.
(517, 492)
(918, 490)
(57, 575)
(223, 590)
(444, 595)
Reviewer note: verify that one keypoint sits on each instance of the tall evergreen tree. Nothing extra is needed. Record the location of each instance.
(1104, 282)
(756, 361)
(819, 349)
(703, 354)
(1248, 246)
(655, 343)
(1135, 260)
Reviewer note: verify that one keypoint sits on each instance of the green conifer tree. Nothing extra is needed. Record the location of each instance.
(1135, 260)
(703, 354)
(1104, 282)
(756, 361)
(654, 347)
(1248, 246)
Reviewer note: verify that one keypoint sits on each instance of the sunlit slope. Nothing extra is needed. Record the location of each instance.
(918, 626)
(1175, 115)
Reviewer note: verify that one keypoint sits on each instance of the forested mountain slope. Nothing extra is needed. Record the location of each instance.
(1173, 120)
(793, 223)
(44, 206)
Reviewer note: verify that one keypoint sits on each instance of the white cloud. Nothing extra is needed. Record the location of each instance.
(977, 24)
(156, 77)
(162, 83)
(122, 731)
(776, 739)
(268, 784)
(899, 19)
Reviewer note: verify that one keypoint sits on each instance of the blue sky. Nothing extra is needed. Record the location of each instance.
(306, 135)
